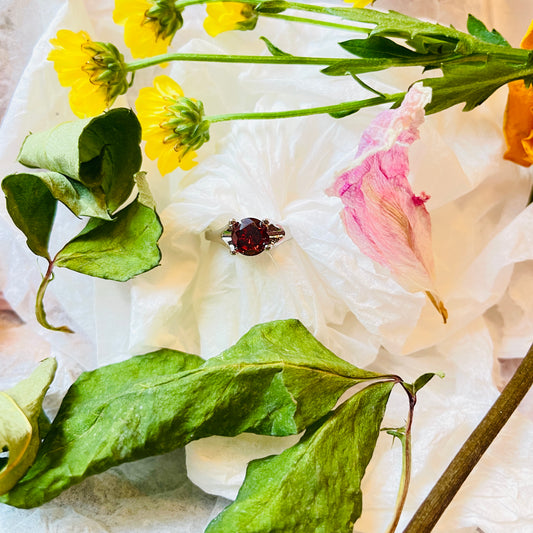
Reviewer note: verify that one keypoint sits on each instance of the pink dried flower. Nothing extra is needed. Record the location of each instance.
(382, 215)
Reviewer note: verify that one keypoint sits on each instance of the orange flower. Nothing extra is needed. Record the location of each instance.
(518, 117)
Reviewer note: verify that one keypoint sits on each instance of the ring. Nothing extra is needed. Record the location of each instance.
(248, 236)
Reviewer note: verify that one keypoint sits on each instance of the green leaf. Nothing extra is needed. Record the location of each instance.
(32, 209)
(276, 380)
(274, 50)
(476, 28)
(469, 83)
(78, 198)
(473, 65)
(378, 47)
(117, 249)
(316, 484)
(20, 411)
(311, 372)
(102, 153)
(424, 379)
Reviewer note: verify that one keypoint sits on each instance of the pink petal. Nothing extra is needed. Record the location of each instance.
(382, 215)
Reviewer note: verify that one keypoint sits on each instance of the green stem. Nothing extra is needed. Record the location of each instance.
(405, 479)
(318, 22)
(222, 58)
(39, 301)
(394, 23)
(345, 107)
(472, 450)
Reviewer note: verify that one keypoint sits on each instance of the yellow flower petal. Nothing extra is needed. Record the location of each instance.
(149, 25)
(227, 16)
(359, 3)
(168, 161)
(125, 9)
(87, 101)
(172, 125)
(167, 87)
(95, 71)
(187, 161)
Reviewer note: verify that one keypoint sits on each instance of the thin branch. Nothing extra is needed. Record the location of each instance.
(468, 456)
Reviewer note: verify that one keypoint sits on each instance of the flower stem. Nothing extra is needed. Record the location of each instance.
(223, 58)
(405, 479)
(39, 305)
(318, 22)
(341, 109)
(472, 450)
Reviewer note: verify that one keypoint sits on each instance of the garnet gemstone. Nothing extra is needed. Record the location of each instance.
(249, 236)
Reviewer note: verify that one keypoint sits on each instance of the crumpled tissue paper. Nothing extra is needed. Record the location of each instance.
(201, 299)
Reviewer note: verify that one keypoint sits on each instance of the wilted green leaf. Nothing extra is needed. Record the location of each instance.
(78, 198)
(32, 209)
(311, 372)
(316, 484)
(276, 380)
(102, 153)
(20, 410)
(117, 249)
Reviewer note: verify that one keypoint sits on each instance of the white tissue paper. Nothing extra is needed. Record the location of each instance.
(202, 299)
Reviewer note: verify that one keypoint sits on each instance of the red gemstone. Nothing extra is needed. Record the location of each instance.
(249, 236)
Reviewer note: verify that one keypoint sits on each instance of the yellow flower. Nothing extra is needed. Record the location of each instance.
(94, 70)
(226, 16)
(172, 125)
(518, 117)
(360, 3)
(149, 25)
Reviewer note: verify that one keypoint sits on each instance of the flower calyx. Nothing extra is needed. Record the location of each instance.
(165, 17)
(187, 125)
(106, 68)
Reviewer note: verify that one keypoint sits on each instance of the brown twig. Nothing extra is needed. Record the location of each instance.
(475, 446)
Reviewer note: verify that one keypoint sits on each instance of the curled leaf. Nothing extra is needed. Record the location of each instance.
(20, 416)
(101, 153)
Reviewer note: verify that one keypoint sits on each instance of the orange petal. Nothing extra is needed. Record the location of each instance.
(518, 124)
(527, 41)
